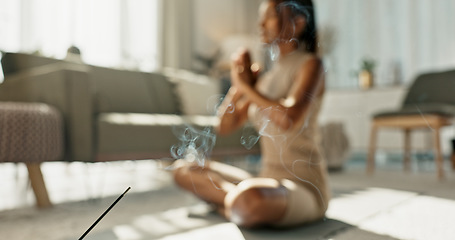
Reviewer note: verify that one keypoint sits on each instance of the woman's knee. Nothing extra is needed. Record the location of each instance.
(254, 203)
(243, 207)
(182, 174)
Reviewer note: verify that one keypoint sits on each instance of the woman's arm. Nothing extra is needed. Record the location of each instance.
(309, 82)
(233, 112)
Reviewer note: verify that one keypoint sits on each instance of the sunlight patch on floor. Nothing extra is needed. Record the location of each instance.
(420, 218)
(173, 224)
(356, 207)
(223, 231)
(168, 222)
(77, 181)
(399, 214)
(126, 232)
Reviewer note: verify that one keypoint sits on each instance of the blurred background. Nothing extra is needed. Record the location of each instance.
(403, 38)
(394, 41)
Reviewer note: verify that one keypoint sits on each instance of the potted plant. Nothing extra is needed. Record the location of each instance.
(366, 73)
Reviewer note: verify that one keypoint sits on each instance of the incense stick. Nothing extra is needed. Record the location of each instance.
(104, 213)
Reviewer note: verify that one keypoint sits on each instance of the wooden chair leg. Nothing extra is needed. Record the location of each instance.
(453, 161)
(38, 185)
(437, 154)
(372, 149)
(407, 150)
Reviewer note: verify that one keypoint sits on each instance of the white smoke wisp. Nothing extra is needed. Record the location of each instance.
(195, 144)
(249, 138)
(295, 10)
(214, 102)
(268, 129)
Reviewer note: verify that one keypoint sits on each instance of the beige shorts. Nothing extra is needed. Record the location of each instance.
(302, 205)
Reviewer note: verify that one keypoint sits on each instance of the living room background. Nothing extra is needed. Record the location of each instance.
(403, 38)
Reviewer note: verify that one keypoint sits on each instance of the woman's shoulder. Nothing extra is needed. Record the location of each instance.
(311, 69)
(301, 57)
(310, 61)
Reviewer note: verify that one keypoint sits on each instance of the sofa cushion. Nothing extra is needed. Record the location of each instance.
(121, 91)
(141, 135)
(146, 136)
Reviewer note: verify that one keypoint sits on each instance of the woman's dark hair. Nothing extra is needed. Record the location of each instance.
(293, 8)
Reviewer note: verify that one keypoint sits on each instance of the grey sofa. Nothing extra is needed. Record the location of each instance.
(112, 114)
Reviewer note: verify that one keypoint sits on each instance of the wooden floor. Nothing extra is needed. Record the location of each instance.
(390, 204)
(69, 182)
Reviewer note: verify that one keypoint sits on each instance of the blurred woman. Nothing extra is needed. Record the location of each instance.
(283, 105)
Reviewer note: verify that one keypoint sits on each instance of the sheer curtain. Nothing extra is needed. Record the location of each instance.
(113, 33)
(414, 36)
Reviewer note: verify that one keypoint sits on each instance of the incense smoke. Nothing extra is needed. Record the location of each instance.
(195, 144)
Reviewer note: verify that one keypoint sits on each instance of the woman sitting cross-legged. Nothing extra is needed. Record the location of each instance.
(283, 104)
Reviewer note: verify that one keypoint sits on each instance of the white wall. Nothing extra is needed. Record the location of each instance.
(214, 21)
(178, 29)
(199, 26)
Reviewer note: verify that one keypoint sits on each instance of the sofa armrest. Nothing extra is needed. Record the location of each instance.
(65, 87)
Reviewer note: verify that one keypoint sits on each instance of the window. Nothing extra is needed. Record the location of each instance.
(112, 33)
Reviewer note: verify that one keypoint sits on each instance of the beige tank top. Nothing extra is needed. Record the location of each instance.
(295, 154)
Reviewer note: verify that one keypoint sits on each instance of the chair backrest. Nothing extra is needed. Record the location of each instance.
(432, 88)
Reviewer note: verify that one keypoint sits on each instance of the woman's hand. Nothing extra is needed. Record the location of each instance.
(233, 110)
(241, 72)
